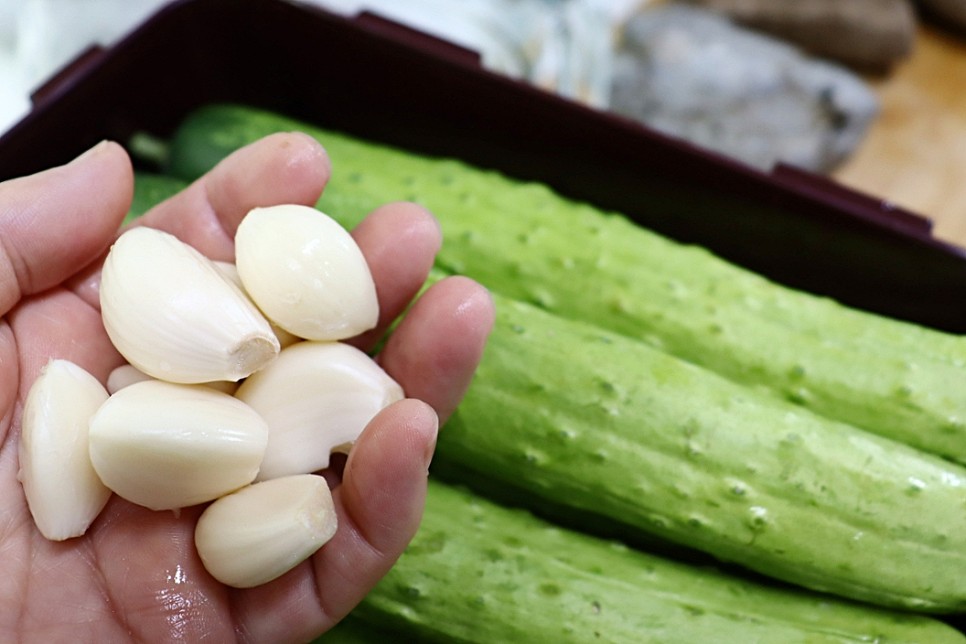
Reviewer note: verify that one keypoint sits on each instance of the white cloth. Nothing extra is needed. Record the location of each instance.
(38, 37)
(564, 46)
(561, 45)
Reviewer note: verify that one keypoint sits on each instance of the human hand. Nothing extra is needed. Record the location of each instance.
(135, 574)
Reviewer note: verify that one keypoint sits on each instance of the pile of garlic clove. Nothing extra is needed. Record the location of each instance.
(238, 387)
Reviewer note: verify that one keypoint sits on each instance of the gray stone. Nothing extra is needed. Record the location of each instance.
(693, 74)
(870, 35)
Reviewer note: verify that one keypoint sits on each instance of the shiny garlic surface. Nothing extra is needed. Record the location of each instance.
(317, 397)
(305, 272)
(64, 493)
(167, 446)
(262, 531)
(172, 314)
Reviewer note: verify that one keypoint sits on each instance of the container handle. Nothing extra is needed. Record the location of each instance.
(864, 206)
(66, 75)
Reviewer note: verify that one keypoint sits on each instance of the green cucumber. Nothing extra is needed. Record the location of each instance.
(150, 189)
(479, 572)
(889, 377)
(563, 413)
(355, 630)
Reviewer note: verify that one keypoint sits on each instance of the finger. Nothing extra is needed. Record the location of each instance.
(287, 167)
(381, 499)
(399, 242)
(384, 483)
(54, 222)
(149, 573)
(438, 345)
(9, 385)
(56, 324)
(280, 168)
(60, 325)
(380, 505)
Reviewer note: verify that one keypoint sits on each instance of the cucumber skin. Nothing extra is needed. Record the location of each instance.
(896, 379)
(562, 412)
(479, 572)
(149, 190)
(355, 630)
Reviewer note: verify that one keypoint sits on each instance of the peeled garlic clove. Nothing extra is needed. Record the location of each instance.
(317, 397)
(123, 376)
(126, 374)
(230, 271)
(224, 386)
(171, 314)
(262, 531)
(305, 272)
(63, 491)
(166, 446)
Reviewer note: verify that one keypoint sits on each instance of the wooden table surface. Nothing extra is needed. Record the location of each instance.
(915, 153)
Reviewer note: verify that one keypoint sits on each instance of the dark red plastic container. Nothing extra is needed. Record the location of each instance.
(377, 79)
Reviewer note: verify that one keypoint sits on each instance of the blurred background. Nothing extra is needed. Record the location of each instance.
(867, 92)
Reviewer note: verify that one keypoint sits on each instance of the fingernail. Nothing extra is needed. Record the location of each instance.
(431, 443)
(93, 151)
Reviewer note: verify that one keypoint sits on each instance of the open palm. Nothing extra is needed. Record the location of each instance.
(135, 575)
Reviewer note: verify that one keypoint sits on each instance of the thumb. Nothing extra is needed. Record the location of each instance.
(55, 222)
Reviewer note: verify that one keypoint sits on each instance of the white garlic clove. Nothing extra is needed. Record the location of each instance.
(230, 271)
(167, 446)
(123, 376)
(316, 397)
(64, 494)
(262, 531)
(171, 313)
(127, 374)
(224, 386)
(305, 272)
